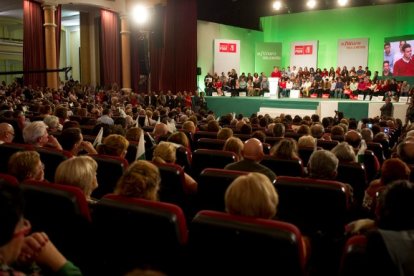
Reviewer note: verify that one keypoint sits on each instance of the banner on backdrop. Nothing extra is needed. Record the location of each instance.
(226, 56)
(304, 53)
(268, 55)
(353, 52)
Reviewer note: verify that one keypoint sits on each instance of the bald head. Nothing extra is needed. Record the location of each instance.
(6, 133)
(160, 129)
(253, 150)
(353, 138)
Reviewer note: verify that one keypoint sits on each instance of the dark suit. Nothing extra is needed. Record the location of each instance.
(251, 166)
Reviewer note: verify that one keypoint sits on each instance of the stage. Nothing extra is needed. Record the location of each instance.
(303, 106)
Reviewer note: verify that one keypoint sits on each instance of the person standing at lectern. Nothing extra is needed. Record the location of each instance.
(276, 73)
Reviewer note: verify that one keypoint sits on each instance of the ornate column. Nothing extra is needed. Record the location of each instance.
(125, 54)
(50, 44)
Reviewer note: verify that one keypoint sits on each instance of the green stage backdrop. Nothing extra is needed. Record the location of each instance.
(374, 22)
(267, 56)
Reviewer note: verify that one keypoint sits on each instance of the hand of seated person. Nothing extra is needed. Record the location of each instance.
(360, 226)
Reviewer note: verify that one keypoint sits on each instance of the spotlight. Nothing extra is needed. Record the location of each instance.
(277, 5)
(342, 2)
(311, 4)
(140, 14)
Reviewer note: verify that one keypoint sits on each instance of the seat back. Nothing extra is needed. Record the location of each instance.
(327, 145)
(204, 158)
(172, 184)
(62, 212)
(210, 143)
(212, 186)
(132, 232)
(9, 178)
(273, 140)
(354, 174)
(204, 134)
(235, 245)
(52, 158)
(315, 206)
(376, 148)
(184, 158)
(305, 153)
(7, 150)
(353, 256)
(110, 169)
(282, 166)
(131, 152)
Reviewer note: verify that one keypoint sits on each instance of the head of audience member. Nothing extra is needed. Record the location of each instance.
(239, 124)
(71, 139)
(337, 131)
(315, 118)
(344, 152)
(114, 145)
(141, 179)
(189, 126)
(270, 128)
(62, 113)
(165, 152)
(253, 150)
(405, 151)
(26, 165)
(367, 134)
(394, 169)
(259, 135)
(279, 130)
(303, 130)
(6, 133)
(213, 126)
(160, 130)
(79, 172)
(353, 138)
(323, 164)
(235, 145)
(396, 207)
(306, 141)
(36, 134)
(179, 138)
(224, 133)
(317, 130)
(246, 129)
(13, 230)
(252, 195)
(133, 134)
(52, 123)
(285, 149)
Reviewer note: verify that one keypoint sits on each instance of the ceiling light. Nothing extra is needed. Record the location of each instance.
(277, 5)
(342, 2)
(311, 4)
(140, 14)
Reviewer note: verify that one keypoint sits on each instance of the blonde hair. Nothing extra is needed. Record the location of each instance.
(252, 195)
(306, 141)
(114, 144)
(234, 144)
(180, 138)
(141, 179)
(285, 149)
(165, 152)
(344, 152)
(224, 133)
(79, 172)
(23, 164)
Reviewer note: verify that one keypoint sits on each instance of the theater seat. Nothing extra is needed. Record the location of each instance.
(9, 178)
(132, 232)
(315, 206)
(7, 150)
(172, 184)
(210, 143)
(283, 167)
(52, 158)
(110, 169)
(224, 244)
(353, 173)
(353, 256)
(204, 158)
(273, 140)
(326, 144)
(212, 186)
(62, 212)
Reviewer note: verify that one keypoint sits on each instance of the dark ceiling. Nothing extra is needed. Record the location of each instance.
(247, 13)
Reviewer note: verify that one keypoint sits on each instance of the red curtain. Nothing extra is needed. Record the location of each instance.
(157, 49)
(58, 20)
(110, 49)
(33, 43)
(174, 62)
(134, 62)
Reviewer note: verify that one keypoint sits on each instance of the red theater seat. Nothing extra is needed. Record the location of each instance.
(204, 158)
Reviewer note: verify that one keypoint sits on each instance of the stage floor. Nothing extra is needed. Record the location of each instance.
(302, 106)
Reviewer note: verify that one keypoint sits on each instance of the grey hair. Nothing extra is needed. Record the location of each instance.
(323, 164)
(33, 131)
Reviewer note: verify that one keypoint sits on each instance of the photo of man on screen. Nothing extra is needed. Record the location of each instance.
(405, 65)
(388, 55)
(386, 69)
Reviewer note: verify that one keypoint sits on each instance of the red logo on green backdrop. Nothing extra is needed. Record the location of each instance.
(228, 47)
(303, 49)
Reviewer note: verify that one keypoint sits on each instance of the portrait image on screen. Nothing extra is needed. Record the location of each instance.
(398, 57)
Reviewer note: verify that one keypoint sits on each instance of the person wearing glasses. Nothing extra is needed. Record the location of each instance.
(18, 245)
(6, 133)
(26, 165)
